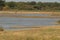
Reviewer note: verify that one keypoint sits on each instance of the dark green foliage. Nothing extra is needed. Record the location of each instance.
(31, 5)
(2, 4)
(37, 7)
(11, 5)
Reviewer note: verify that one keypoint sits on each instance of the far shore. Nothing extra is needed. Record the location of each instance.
(51, 14)
(30, 12)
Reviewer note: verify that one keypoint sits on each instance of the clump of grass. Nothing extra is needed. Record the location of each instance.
(59, 22)
(1, 29)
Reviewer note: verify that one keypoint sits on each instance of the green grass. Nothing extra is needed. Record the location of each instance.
(42, 33)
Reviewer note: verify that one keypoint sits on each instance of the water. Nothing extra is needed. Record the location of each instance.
(7, 22)
(24, 14)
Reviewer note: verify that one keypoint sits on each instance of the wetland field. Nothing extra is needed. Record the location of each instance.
(30, 25)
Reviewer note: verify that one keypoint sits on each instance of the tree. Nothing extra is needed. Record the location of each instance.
(38, 7)
(2, 4)
(32, 3)
(12, 5)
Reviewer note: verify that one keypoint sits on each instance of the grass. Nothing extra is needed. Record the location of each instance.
(1, 29)
(59, 22)
(29, 12)
(42, 33)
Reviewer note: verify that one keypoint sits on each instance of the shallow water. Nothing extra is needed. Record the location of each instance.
(7, 22)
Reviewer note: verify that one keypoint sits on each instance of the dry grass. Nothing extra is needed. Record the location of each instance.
(42, 33)
(29, 12)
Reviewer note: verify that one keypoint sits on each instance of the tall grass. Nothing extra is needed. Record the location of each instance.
(42, 33)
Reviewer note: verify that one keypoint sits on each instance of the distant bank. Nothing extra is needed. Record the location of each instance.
(31, 12)
(27, 14)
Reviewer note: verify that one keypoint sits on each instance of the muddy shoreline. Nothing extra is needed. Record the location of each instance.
(23, 14)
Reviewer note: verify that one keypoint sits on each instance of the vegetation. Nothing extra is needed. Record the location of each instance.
(29, 5)
(1, 29)
(42, 33)
(59, 22)
(2, 4)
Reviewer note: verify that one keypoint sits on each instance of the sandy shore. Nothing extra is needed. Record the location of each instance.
(28, 12)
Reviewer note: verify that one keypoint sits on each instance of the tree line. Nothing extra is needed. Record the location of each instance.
(29, 5)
